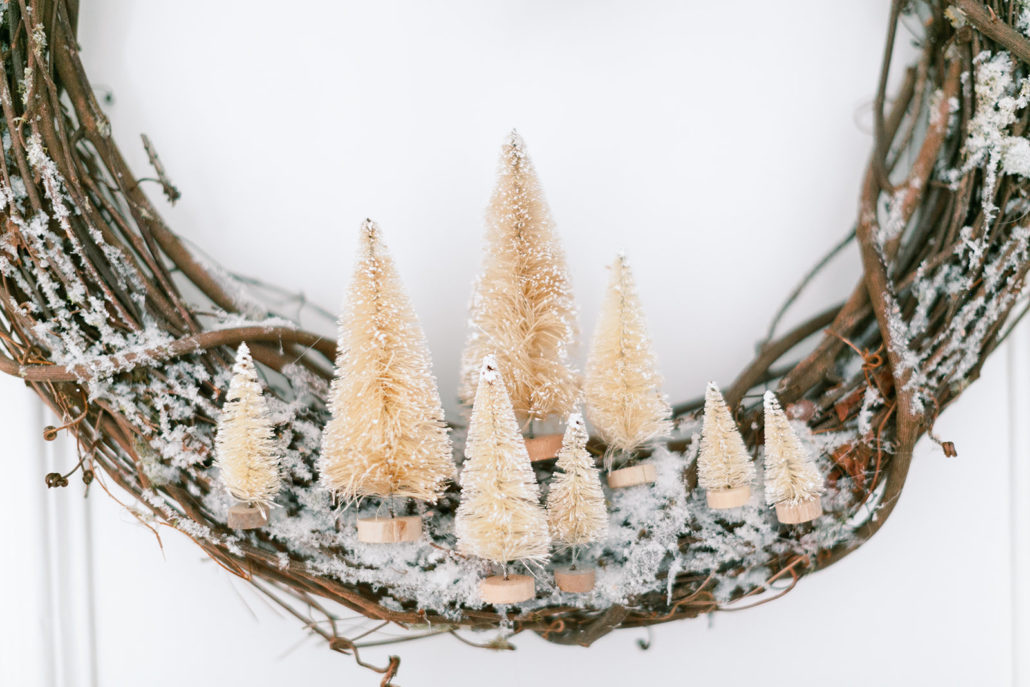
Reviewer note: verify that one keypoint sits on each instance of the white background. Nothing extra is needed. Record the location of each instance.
(719, 144)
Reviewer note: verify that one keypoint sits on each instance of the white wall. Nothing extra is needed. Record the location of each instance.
(719, 145)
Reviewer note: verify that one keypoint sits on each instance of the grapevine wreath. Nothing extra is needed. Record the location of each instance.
(131, 337)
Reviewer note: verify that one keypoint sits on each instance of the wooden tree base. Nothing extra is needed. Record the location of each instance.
(578, 581)
(389, 530)
(243, 516)
(543, 447)
(795, 513)
(513, 589)
(644, 473)
(720, 499)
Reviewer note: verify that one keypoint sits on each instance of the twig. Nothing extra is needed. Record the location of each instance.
(170, 191)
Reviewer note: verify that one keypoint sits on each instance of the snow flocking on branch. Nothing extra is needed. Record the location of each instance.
(999, 96)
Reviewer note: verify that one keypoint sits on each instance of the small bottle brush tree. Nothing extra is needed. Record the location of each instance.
(724, 468)
(522, 309)
(792, 481)
(499, 518)
(575, 504)
(245, 449)
(387, 435)
(623, 389)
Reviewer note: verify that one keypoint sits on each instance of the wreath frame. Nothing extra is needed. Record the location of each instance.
(914, 220)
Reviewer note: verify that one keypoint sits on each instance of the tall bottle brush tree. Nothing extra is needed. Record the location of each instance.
(792, 480)
(387, 436)
(499, 518)
(724, 467)
(245, 450)
(522, 309)
(576, 509)
(624, 400)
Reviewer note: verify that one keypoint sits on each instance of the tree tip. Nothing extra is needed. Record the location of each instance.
(619, 265)
(488, 371)
(770, 398)
(371, 237)
(514, 139)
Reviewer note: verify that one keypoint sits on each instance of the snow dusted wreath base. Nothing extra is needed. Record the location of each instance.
(96, 319)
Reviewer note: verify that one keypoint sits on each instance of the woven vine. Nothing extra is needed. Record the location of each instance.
(128, 334)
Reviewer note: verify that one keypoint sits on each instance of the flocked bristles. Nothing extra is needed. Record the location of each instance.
(245, 450)
(522, 309)
(790, 473)
(499, 518)
(575, 504)
(387, 435)
(623, 388)
(723, 461)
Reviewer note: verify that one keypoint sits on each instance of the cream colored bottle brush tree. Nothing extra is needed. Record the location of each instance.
(724, 467)
(387, 436)
(623, 388)
(499, 518)
(522, 309)
(245, 450)
(575, 505)
(792, 480)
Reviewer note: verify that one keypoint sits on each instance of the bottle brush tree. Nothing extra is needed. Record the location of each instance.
(623, 388)
(522, 309)
(724, 467)
(499, 518)
(387, 436)
(792, 480)
(245, 450)
(576, 509)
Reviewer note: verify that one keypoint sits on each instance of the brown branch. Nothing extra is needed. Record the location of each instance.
(170, 191)
(588, 633)
(775, 350)
(122, 362)
(988, 23)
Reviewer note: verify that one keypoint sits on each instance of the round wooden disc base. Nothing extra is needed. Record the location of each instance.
(644, 473)
(720, 499)
(543, 447)
(389, 530)
(578, 581)
(499, 590)
(246, 517)
(795, 513)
